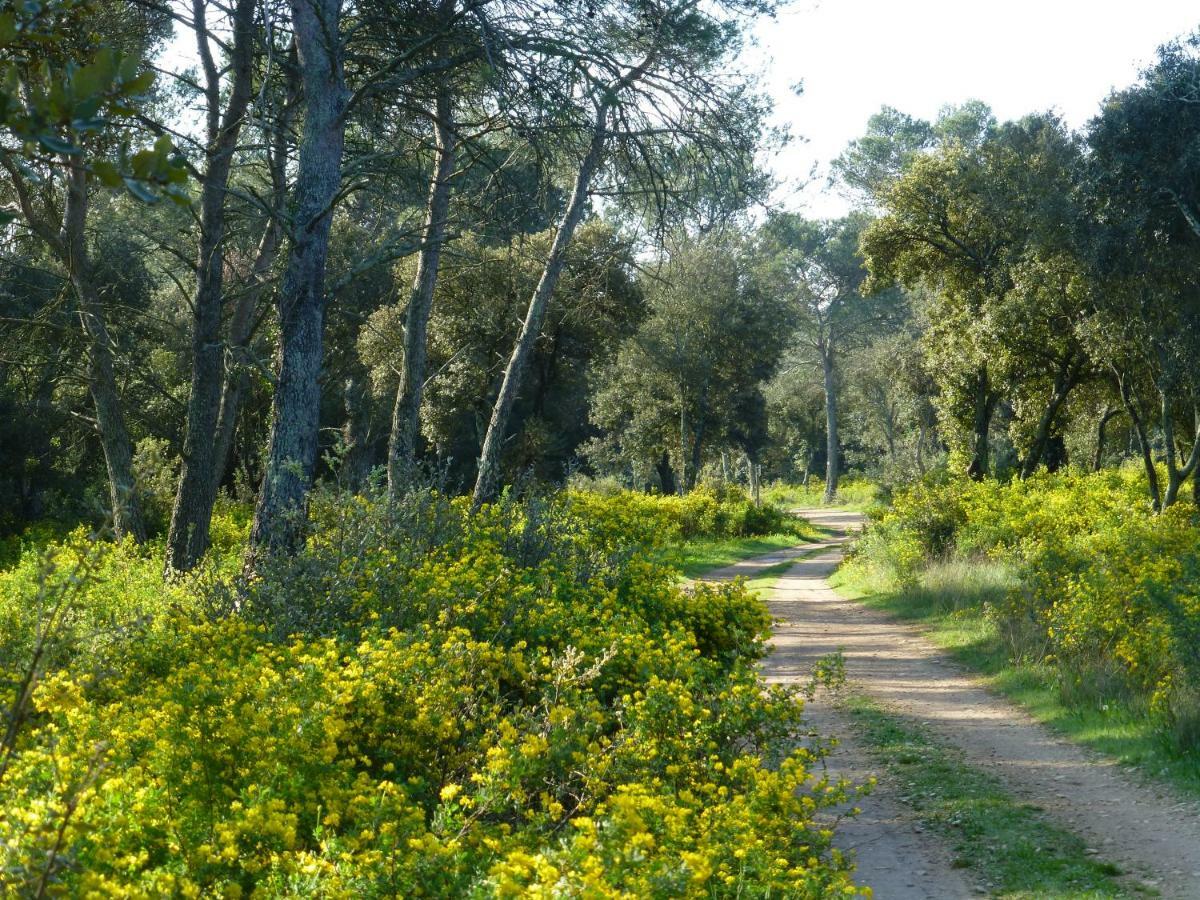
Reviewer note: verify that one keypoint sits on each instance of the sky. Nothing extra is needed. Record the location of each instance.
(1019, 56)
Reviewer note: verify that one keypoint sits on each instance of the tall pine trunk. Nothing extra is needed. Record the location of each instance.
(832, 442)
(191, 515)
(281, 514)
(406, 414)
(246, 314)
(487, 483)
(102, 380)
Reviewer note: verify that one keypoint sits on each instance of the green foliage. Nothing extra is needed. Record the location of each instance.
(1105, 592)
(706, 512)
(514, 702)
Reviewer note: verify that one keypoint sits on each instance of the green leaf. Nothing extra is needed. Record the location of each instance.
(107, 173)
(56, 144)
(140, 190)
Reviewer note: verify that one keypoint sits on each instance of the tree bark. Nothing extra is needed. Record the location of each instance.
(356, 431)
(102, 380)
(1177, 475)
(191, 515)
(487, 483)
(832, 443)
(666, 475)
(282, 510)
(1101, 427)
(978, 468)
(1139, 428)
(697, 454)
(245, 316)
(920, 448)
(1063, 382)
(406, 415)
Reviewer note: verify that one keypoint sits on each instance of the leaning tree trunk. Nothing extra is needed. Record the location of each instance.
(406, 415)
(281, 514)
(1177, 475)
(191, 515)
(1101, 429)
(487, 483)
(102, 380)
(1139, 429)
(978, 468)
(1063, 382)
(832, 443)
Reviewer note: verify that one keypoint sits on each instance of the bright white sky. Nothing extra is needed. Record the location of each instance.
(1019, 56)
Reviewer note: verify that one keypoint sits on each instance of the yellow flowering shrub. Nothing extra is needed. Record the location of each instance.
(427, 702)
(1105, 588)
(706, 512)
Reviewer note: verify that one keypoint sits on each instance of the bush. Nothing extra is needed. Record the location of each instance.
(1106, 592)
(427, 702)
(706, 512)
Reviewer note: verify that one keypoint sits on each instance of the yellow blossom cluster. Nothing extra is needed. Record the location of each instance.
(512, 709)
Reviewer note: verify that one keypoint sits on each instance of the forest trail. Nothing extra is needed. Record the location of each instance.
(1141, 827)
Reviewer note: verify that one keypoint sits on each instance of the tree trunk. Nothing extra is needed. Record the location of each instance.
(406, 415)
(191, 515)
(1177, 475)
(102, 380)
(832, 444)
(281, 514)
(697, 451)
(1139, 428)
(245, 316)
(1101, 427)
(666, 475)
(755, 481)
(487, 483)
(356, 432)
(1063, 382)
(978, 468)
(920, 449)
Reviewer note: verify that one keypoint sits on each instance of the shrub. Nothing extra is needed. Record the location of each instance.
(426, 702)
(1105, 591)
(706, 512)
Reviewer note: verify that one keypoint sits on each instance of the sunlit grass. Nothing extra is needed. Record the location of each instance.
(695, 558)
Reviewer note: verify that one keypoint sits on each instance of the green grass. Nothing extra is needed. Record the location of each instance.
(949, 601)
(694, 558)
(1013, 849)
(853, 493)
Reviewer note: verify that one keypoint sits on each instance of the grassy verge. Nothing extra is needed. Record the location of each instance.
(950, 602)
(694, 558)
(853, 494)
(1006, 842)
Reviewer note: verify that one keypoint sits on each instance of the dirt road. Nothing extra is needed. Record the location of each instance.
(1137, 825)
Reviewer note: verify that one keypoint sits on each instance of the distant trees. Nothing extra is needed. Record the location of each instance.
(687, 384)
(1047, 261)
(816, 266)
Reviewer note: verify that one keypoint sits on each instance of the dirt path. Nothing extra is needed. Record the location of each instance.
(1136, 825)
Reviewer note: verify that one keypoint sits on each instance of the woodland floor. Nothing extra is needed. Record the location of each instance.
(1150, 837)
